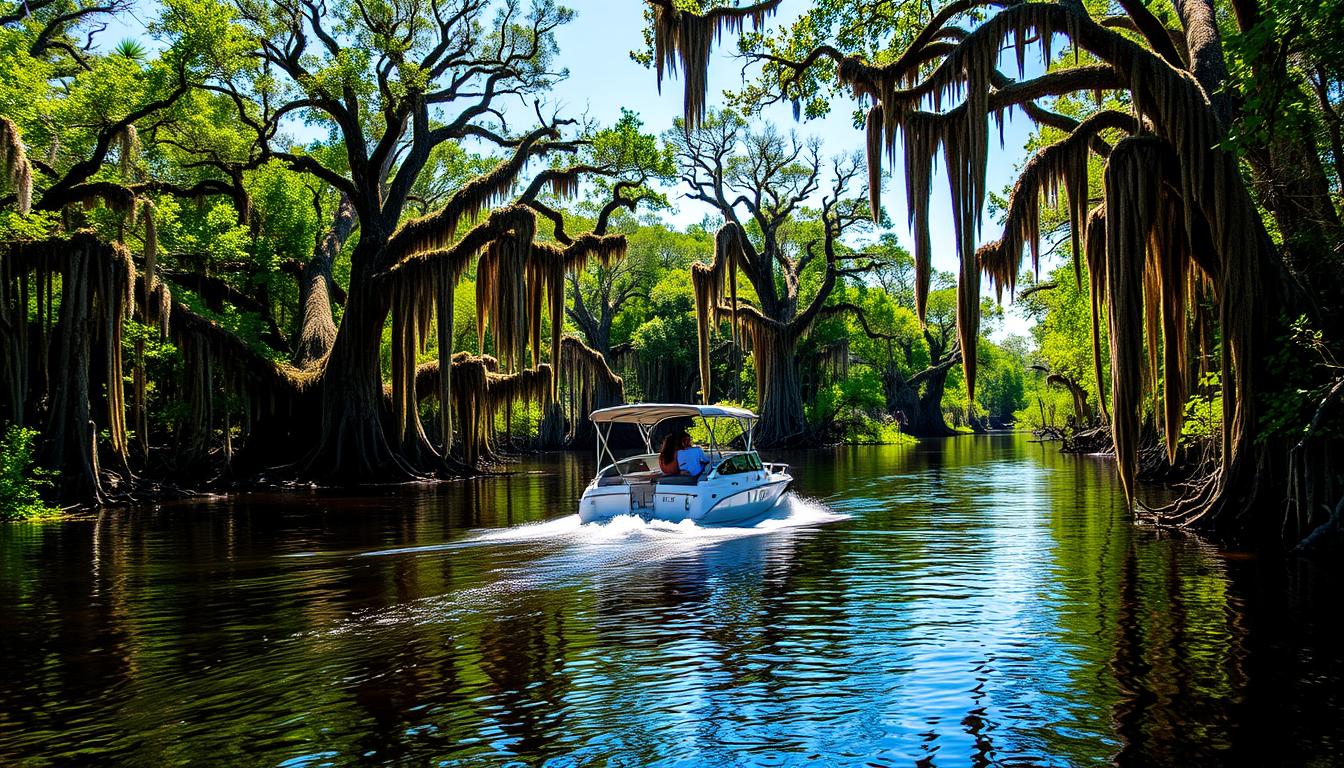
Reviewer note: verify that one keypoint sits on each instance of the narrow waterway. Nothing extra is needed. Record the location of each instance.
(974, 601)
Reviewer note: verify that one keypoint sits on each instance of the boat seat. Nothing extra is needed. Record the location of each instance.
(678, 480)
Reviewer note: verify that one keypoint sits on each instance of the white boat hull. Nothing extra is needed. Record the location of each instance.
(717, 501)
(745, 505)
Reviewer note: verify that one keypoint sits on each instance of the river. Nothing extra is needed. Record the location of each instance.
(965, 602)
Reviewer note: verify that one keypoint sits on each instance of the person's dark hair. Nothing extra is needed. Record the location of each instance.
(671, 444)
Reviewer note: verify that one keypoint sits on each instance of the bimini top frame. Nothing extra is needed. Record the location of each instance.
(652, 413)
(647, 416)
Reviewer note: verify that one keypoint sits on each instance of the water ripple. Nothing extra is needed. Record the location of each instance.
(977, 601)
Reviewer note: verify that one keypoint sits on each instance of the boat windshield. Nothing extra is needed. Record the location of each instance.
(632, 466)
(739, 463)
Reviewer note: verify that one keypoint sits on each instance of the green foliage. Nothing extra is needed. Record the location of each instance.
(878, 431)
(207, 38)
(464, 317)
(725, 430)
(21, 482)
(130, 48)
(34, 226)
(286, 227)
(163, 363)
(669, 333)
(247, 326)
(1204, 412)
(1001, 380)
(1303, 38)
(207, 234)
(852, 410)
(626, 150)
(908, 349)
(1301, 356)
(1062, 310)
(26, 88)
(956, 406)
(1043, 406)
(665, 338)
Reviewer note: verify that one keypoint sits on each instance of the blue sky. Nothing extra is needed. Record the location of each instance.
(603, 79)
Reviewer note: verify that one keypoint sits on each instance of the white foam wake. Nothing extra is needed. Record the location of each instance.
(566, 551)
(792, 512)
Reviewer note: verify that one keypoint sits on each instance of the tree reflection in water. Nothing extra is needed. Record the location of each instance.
(984, 602)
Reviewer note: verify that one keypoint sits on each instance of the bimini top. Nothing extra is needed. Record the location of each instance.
(652, 413)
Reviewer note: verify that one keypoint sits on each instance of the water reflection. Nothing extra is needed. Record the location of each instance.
(977, 601)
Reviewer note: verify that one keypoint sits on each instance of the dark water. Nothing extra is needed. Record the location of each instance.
(980, 601)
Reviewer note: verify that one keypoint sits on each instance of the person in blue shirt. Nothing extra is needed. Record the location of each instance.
(691, 458)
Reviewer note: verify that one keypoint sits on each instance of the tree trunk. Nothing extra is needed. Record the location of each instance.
(352, 444)
(1207, 64)
(920, 411)
(68, 446)
(930, 409)
(317, 329)
(1082, 412)
(1289, 179)
(779, 393)
(551, 431)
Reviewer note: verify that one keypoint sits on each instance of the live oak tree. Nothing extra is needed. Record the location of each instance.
(913, 360)
(918, 397)
(392, 83)
(211, 117)
(759, 182)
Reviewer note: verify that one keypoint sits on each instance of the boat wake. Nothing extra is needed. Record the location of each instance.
(793, 511)
(567, 552)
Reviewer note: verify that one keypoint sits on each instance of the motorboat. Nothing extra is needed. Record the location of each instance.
(735, 487)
